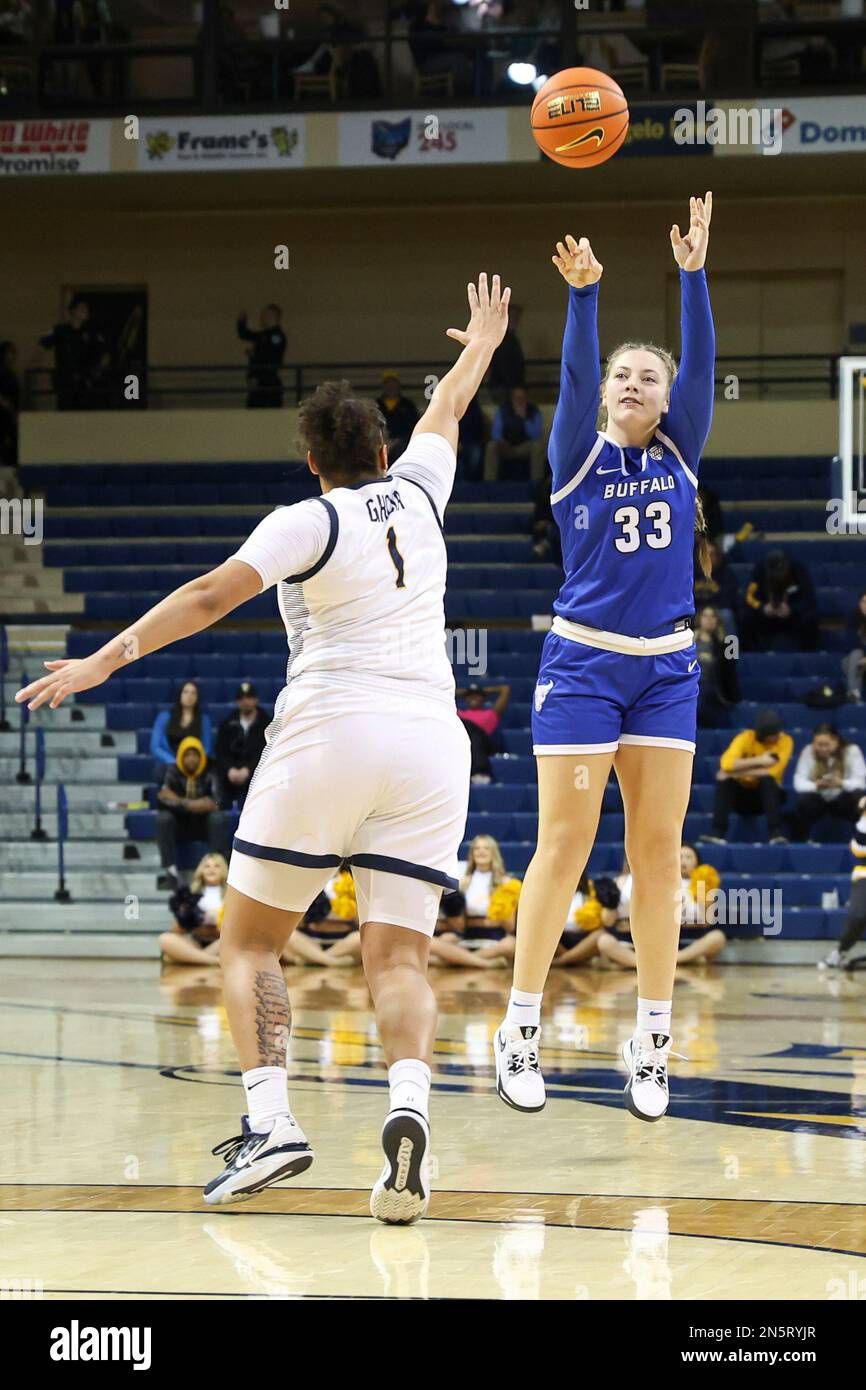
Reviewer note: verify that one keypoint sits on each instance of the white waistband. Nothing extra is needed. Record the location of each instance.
(618, 642)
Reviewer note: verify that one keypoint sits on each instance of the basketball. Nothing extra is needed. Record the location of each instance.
(580, 117)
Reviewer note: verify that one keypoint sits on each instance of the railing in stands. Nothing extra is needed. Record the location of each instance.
(758, 376)
(38, 832)
(5, 726)
(22, 776)
(62, 894)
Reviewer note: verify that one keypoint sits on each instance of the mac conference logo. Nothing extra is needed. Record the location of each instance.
(389, 138)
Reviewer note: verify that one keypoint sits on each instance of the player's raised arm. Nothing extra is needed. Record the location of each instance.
(691, 409)
(488, 320)
(573, 432)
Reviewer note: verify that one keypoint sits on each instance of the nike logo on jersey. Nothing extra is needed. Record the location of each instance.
(692, 665)
(542, 690)
(601, 471)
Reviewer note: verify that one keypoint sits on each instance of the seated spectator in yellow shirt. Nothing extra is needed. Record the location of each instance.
(750, 777)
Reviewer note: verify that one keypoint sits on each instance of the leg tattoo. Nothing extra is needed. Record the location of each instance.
(273, 1019)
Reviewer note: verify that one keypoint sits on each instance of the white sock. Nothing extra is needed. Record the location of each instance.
(409, 1080)
(524, 1008)
(653, 1015)
(267, 1090)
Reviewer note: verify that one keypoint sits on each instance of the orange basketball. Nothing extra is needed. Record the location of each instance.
(580, 117)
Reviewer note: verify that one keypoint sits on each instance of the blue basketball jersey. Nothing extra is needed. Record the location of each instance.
(626, 516)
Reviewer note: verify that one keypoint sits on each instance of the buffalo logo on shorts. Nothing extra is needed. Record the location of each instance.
(656, 451)
(542, 690)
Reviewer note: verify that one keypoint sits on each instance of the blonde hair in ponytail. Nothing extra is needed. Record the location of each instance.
(668, 361)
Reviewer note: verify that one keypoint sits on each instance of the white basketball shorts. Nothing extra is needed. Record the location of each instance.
(385, 787)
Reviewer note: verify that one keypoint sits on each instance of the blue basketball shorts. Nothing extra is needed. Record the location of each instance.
(589, 700)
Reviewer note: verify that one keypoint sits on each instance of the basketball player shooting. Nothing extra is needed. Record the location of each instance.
(618, 681)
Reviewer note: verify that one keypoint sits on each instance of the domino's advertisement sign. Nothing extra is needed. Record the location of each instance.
(816, 125)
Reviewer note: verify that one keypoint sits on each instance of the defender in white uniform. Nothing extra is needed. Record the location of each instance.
(365, 760)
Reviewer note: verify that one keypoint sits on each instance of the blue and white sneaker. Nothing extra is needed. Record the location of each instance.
(254, 1161)
(645, 1056)
(402, 1191)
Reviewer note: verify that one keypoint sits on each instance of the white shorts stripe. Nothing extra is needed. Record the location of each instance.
(649, 741)
(540, 749)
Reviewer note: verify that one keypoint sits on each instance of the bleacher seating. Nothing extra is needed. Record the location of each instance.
(125, 535)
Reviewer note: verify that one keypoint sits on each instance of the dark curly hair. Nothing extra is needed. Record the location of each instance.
(344, 433)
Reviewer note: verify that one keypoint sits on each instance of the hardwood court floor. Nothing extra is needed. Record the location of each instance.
(116, 1081)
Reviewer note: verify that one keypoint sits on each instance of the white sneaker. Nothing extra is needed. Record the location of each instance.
(253, 1161)
(645, 1056)
(403, 1190)
(518, 1077)
(837, 960)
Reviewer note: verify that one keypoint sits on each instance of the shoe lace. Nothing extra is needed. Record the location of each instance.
(230, 1148)
(651, 1063)
(522, 1056)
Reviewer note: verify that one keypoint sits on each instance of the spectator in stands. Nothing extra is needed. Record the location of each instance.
(719, 589)
(330, 922)
(401, 414)
(79, 352)
(698, 892)
(472, 437)
(485, 903)
(482, 723)
(516, 427)
(508, 364)
(720, 686)
(435, 45)
(546, 540)
(10, 403)
(15, 21)
(829, 779)
(840, 957)
(197, 912)
(749, 780)
(185, 718)
(189, 797)
(593, 911)
(854, 664)
(240, 743)
(264, 385)
(780, 612)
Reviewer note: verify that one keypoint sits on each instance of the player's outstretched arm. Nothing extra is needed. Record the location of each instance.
(488, 321)
(189, 609)
(691, 408)
(573, 431)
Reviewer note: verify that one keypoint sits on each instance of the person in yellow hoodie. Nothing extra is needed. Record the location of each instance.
(749, 780)
(189, 810)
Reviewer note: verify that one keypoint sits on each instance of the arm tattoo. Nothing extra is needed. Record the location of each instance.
(273, 1018)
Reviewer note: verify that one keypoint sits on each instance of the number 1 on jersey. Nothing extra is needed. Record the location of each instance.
(396, 557)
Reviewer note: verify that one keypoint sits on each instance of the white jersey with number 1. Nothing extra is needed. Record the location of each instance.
(361, 574)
